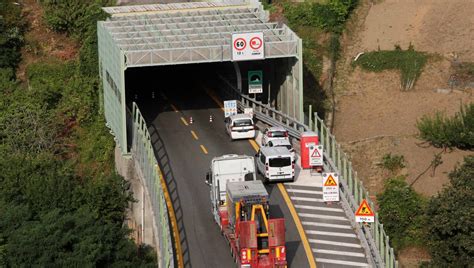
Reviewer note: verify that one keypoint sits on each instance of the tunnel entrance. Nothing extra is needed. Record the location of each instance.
(146, 83)
(187, 47)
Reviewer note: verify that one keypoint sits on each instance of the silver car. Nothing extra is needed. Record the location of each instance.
(274, 133)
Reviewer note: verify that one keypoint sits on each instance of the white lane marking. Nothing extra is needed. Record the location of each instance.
(337, 252)
(330, 233)
(359, 264)
(306, 199)
(335, 243)
(319, 208)
(303, 191)
(318, 224)
(323, 216)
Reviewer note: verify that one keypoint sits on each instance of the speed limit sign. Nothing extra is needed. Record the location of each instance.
(240, 44)
(247, 46)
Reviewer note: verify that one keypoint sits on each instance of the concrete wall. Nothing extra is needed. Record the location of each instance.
(140, 213)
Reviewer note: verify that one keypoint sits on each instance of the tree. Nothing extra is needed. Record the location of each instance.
(451, 215)
(401, 211)
(449, 132)
(11, 34)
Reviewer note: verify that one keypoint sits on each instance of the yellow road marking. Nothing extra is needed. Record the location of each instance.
(194, 135)
(174, 108)
(216, 99)
(174, 222)
(184, 121)
(299, 226)
(203, 149)
(254, 145)
(281, 187)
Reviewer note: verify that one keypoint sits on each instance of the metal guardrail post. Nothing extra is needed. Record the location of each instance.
(333, 149)
(383, 237)
(350, 181)
(310, 119)
(376, 229)
(356, 189)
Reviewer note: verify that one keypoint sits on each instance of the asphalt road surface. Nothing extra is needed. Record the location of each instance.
(184, 151)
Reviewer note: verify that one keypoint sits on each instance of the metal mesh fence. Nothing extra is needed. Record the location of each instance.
(142, 151)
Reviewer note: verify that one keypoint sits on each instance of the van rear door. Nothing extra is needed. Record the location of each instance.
(280, 168)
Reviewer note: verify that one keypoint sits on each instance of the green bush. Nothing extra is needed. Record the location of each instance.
(401, 211)
(330, 16)
(74, 17)
(12, 28)
(60, 202)
(409, 62)
(451, 217)
(442, 131)
(392, 163)
(52, 218)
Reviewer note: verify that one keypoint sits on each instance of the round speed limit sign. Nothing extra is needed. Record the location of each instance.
(240, 44)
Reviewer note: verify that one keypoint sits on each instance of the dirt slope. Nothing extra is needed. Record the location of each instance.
(373, 117)
(41, 43)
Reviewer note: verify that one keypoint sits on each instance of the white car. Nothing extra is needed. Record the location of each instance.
(274, 133)
(283, 143)
(240, 126)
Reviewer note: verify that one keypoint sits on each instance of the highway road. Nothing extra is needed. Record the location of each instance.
(184, 151)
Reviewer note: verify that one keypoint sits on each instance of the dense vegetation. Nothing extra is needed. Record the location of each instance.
(445, 223)
(329, 16)
(442, 131)
(401, 211)
(409, 62)
(320, 26)
(12, 28)
(451, 219)
(61, 203)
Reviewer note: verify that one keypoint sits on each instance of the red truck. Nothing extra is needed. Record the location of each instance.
(256, 241)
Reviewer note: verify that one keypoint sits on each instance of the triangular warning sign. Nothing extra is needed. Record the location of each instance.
(330, 181)
(315, 152)
(364, 209)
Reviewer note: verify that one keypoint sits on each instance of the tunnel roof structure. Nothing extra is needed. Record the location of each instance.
(191, 32)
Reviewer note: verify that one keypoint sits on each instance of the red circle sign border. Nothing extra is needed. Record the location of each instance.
(256, 37)
(238, 39)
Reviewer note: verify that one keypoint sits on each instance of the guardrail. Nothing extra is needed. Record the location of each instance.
(143, 153)
(352, 189)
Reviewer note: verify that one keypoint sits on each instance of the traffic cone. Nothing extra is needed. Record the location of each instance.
(210, 119)
(136, 96)
(153, 94)
(190, 120)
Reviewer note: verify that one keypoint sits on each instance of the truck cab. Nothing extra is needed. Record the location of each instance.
(227, 168)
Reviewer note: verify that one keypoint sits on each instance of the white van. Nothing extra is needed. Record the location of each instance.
(224, 169)
(240, 126)
(275, 164)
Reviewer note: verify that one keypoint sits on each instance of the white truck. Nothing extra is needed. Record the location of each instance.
(227, 168)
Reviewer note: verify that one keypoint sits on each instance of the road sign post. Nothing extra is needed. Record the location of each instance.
(330, 187)
(315, 155)
(255, 79)
(248, 111)
(230, 108)
(364, 213)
